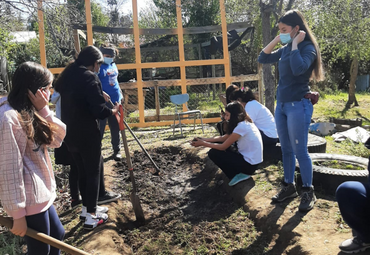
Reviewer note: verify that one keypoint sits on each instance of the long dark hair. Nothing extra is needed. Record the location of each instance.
(246, 95)
(293, 18)
(31, 76)
(237, 114)
(87, 57)
(230, 89)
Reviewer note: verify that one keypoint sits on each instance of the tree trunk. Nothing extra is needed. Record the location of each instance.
(268, 78)
(352, 84)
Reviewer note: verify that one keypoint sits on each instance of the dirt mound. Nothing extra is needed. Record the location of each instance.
(190, 209)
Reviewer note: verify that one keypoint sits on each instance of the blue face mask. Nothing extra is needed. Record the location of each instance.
(285, 38)
(108, 61)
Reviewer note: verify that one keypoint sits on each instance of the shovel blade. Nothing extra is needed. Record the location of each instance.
(137, 208)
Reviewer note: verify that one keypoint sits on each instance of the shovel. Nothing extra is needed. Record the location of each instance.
(134, 198)
(137, 140)
(8, 222)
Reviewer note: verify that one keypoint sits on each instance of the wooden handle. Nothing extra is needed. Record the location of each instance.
(8, 222)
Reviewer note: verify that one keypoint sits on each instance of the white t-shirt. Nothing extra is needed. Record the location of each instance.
(250, 142)
(262, 118)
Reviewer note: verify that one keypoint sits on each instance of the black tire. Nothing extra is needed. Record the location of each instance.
(315, 144)
(363, 162)
(328, 179)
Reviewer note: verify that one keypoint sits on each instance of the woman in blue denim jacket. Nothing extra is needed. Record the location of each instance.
(299, 61)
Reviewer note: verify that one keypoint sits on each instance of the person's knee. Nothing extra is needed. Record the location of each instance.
(345, 191)
(211, 154)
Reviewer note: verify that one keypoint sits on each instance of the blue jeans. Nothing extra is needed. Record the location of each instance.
(292, 122)
(48, 223)
(354, 205)
(114, 130)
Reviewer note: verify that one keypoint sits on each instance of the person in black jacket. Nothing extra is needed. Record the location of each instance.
(82, 105)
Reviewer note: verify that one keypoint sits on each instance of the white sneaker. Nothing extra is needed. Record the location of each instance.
(99, 209)
(92, 221)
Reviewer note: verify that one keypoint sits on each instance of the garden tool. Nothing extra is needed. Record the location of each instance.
(134, 198)
(137, 140)
(8, 222)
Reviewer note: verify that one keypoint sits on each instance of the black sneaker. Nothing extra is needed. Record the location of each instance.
(288, 190)
(354, 245)
(308, 199)
(117, 155)
(108, 197)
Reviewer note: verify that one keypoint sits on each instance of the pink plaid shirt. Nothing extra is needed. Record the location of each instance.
(27, 184)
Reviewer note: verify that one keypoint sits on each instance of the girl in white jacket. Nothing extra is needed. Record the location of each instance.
(27, 184)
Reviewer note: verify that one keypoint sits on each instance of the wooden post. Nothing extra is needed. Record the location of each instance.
(225, 43)
(261, 87)
(88, 23)
(213, 70)
(76, 38)
(139, 75)
(181, 49)
(157, 103)
(40, 14)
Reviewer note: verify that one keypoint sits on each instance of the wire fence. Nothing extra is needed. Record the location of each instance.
(158, 106)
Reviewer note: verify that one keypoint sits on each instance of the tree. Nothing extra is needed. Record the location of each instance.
(117, 19)
(59, 19)
(343, 30)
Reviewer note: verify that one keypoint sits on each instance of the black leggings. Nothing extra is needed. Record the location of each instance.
(90, 167)
(47, 223)
(231, 163)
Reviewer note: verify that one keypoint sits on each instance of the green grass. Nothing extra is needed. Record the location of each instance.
(337, 165)
(335, 106)
(10, 244)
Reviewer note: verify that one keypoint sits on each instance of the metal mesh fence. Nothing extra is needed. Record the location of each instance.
(158, 106)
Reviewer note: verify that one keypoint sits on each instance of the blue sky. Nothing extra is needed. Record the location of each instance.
(126, 5)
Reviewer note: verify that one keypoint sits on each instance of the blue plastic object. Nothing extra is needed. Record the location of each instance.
(181, 99)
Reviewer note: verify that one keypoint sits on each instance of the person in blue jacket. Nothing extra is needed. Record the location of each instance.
(108, 74)
(354, 205)
(299, 61)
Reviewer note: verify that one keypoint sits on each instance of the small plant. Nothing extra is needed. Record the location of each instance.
(10, 244)
(337, 165)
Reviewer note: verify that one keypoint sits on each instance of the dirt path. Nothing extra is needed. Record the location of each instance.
(190, 209)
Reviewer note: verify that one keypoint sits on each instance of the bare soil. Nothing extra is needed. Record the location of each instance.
(190, 209)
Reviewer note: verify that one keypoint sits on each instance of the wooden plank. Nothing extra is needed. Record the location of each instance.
(158, 64)
(139, 75)
(168, 123)
(198, 81)
(40, 14)
(225, 42)
(76, 42)
(163, 31)
(157, 103)
(89, 26)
